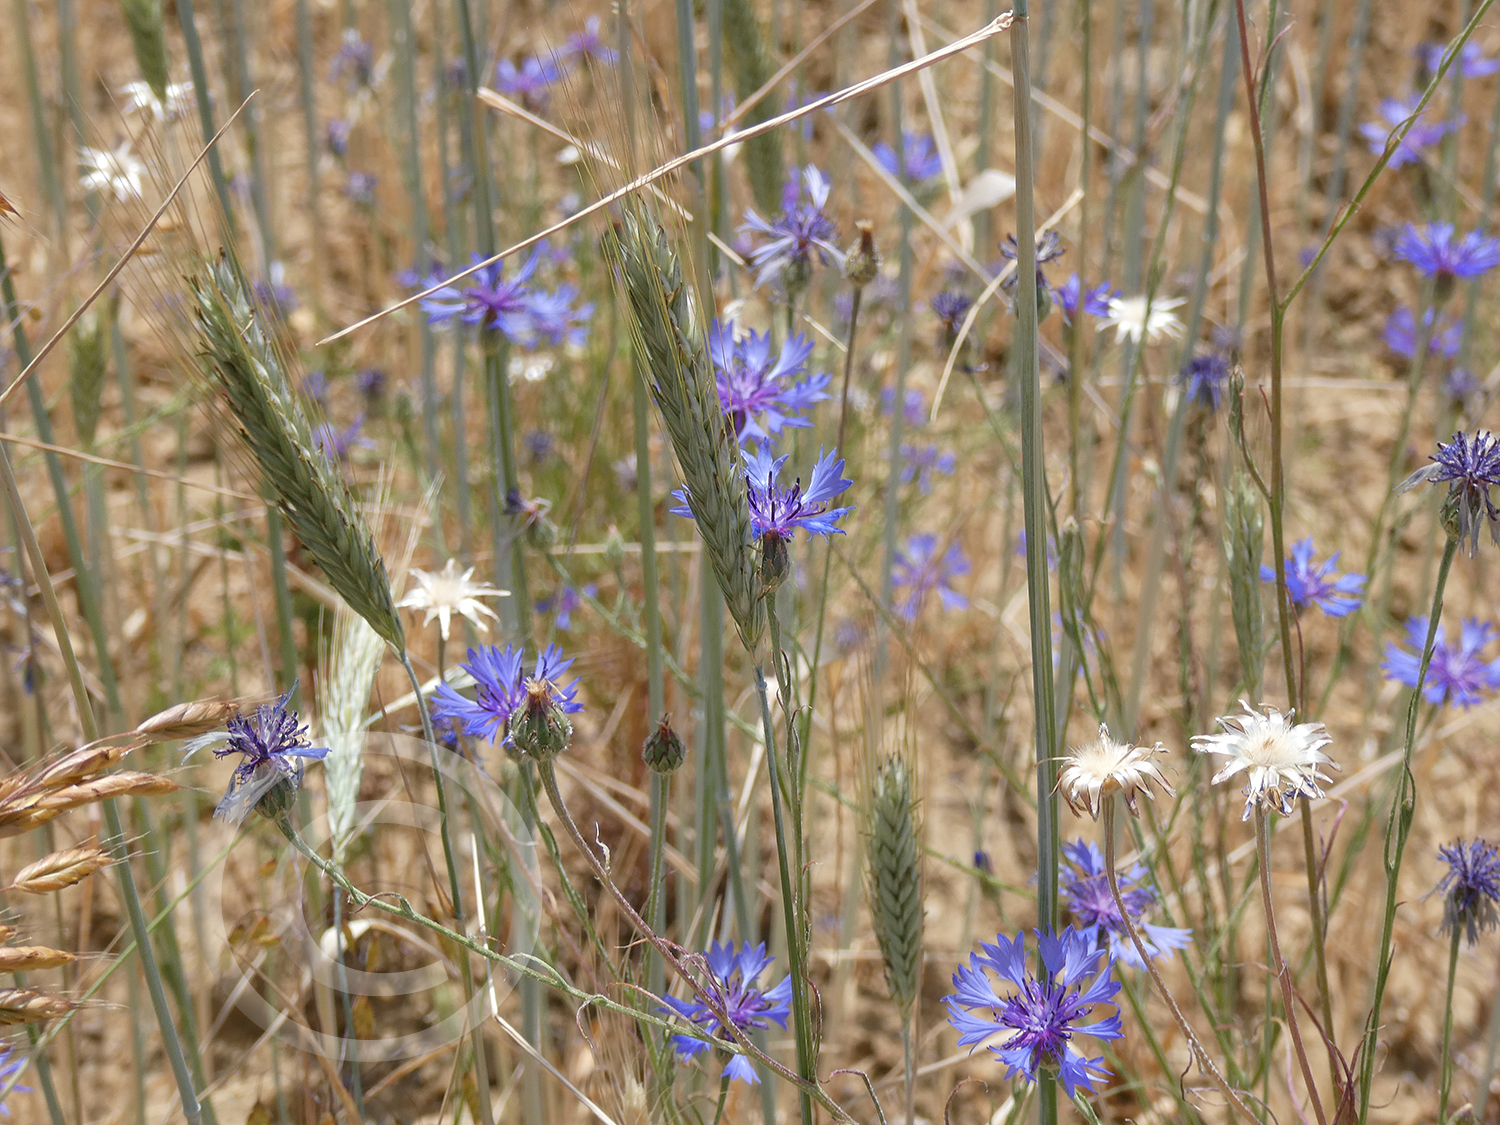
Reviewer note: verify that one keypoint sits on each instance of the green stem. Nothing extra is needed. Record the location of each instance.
(1398, 829)
(1445, 1083)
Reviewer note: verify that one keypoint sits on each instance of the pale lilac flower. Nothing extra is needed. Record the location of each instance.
(1204, 378)
(952, 307)
(762, 392)
(1471, 888)
(1471, 60)
(1083, 888)
(1095, 300)
(1433, 250)
(337, 444)
(354, 58)
(733, 984)
(921, 462)
(1422, 135)
(1460, 677)
(802, 231)
(1046, 1013)
(1470, 466)
(918, 570)
(921, 159)
(489, 299)
(360, 188)
(529, 81)
(1400, 334)
(272, 746)
(588, 44)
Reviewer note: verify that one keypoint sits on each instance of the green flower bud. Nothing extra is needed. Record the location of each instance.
(663, 750)
(540, 729)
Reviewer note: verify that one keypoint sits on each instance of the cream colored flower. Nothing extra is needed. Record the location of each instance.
(447, 592)
(140, 96)
(116, 170)
(1280, 759)
(1103, 767)
(1132, 319)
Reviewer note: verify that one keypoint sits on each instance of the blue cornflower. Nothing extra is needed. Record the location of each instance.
(918, 569)
(587, 43)
(315, 386)
(913, 405)
(370, 382)
(1470, 465)
(355, 57)
(338, 136)
(1422, 135)
(564, 602)
(8, 1067)
(1307, 584)
(756, 388)
(1083, 884)
(360, 187)
(1471, 60)
(921, 463)
(274, 295)
(1203, 379)
(1457, 676)
(800, 232)
(920, 155)
(1471, 888)
(1432, 249)
(1049, 248)
(272, 745)
(557, 320)
(952, 307)
(336, 444)
(732, 984)
(777, 511)
(1400, 334)
(499, 675)
(1460, 385)
(489, 299)
(1095, 300)
(1046, 1013)
(529, 81)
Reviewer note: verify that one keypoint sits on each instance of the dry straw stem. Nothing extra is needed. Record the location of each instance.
(669, 333)
(60, 869)
(242, 361)
(26, 958)
(21, 1005)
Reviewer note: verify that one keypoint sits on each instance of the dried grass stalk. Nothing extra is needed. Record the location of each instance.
(60, 869)
(244, 364)
(22, 1005)
(670, 334)
(893, 876)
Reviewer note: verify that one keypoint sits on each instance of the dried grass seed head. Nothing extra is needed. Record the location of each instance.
(1097, 770)
(1280, 759)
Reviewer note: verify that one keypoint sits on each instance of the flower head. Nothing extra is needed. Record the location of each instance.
(587, 43)
(140, 96)
(1470, 465)
(504, 688)
(1203, 379)
(802, 232)
(9, 1067)
(761, 391)
(1103, 767)
(564, 602)
(1046, 1012)
(530, 80)
(732, 982)
(489, 299)
(355, 58)
(1433, 249)
(1083, 886)
(1458, 676)
(1471, 60)
(272, 745)
(1471, 888)
(1280, 760)
(1424, 134)
(951, 307)
(116, 171)
(448, 592)
(1095, 301)
(360, 188)
(556, 319)
(779, 511)
(919, 570)
(1135, 319)
(921, 462)
(919, 157)
(1307, 584)
(1400, 334)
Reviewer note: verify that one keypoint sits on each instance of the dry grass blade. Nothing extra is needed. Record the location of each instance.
(60, 869)
(244, 364)
(21, 1005)
(26, 958)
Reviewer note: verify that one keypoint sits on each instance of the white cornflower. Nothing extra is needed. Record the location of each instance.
(447, 592)
(1103, 767)
(115, 171)
(1280, 760)
(1131, 318)
(140, 96)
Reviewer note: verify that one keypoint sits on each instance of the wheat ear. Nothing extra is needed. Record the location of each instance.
(893, 882)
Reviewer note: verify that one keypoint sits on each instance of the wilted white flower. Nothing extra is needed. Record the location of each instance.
(140, 96)
(1280, 759)
(447, 592)
(116, 171)
(1131, 318)
(1103, 767)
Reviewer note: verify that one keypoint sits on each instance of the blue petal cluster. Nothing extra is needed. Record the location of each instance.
(761, 391)
(500, 677)
(527, 315)
(732, 984)
(801, 232)
(1459, 676)
(919, 158)
(1436, 252)
(1083, 886)
(1424, 134)
(1337, 595)
(1471, 888)
(271, 745)
(918, 570)
(1045, 1013)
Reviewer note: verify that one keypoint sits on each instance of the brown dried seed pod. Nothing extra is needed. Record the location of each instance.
(78, 764)
(24, 958)
(21, 1005)
(60, 869)
(188, 720)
